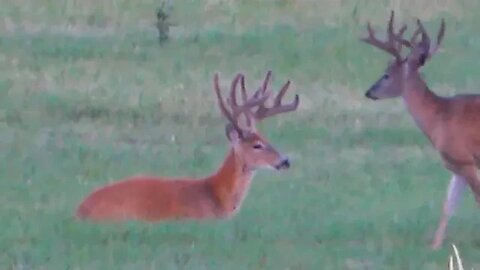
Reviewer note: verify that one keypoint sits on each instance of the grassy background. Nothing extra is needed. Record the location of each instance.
(88, 96)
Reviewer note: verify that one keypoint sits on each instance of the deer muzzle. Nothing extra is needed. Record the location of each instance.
(283, 164)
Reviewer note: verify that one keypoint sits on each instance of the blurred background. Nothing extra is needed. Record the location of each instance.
(95, 91)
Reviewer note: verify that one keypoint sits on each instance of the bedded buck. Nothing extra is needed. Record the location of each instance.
(220, 195)
(452, 124)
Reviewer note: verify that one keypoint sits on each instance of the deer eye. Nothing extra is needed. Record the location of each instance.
(386, 76)
(258, 146)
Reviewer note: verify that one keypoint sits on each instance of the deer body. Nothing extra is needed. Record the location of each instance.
(220, 195)
(153, 199)
(452, 124)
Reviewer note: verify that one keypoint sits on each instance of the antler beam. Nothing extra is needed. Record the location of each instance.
(392, 44)
(277, 107)
(258, 99)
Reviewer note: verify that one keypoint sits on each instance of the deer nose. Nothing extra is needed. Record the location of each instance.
(369, 95)
(284, 164)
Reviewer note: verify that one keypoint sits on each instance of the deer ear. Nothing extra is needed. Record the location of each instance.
(422, 59)
(417, 60)
(232, 134)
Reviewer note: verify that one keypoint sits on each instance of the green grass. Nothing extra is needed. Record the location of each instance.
(88, 96)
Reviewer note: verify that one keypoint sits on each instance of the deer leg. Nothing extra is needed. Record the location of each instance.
(455, 191)
(469, 174)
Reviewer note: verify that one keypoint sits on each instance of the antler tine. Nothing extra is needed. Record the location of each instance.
(263, 89)
(441, 32)
(440, 35)
(390, 26)
(425, 38)
(425, 42)
(233, 91)
(281, 93)
(401, 31)
(391, 34)
(413, 40)
(223, 107)
(248, 116)
(258, 98)
(389, 45)
(277, 108)
(244, 90)
(400, 40)
(247, 103)
(266, 81)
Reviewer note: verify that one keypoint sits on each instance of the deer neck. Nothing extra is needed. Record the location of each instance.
(231, 183)
(422, 103)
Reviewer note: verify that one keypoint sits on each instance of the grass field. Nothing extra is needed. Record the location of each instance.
(88, 96)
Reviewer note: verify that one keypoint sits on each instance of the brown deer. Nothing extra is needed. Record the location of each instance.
(452, 124)
(152, 199)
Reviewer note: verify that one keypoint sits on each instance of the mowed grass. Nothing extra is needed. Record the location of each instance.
(88, 96)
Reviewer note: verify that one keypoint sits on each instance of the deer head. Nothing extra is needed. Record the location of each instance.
(247, 143)
(401, 69)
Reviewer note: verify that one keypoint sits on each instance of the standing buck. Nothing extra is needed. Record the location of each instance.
(151, 199)
(452, 124)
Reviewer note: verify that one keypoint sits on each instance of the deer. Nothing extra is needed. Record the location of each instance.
(218, 196)
(451, 123)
